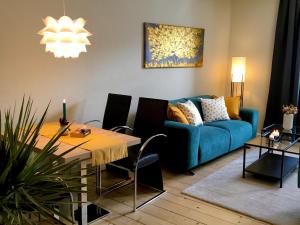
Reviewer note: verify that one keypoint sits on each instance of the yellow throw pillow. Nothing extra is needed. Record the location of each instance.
(175, 114)
(233, 107)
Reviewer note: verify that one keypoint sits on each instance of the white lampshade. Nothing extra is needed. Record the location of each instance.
(238, 69)
(65, 37)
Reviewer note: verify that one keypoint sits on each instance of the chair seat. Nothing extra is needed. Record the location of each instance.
(129, 162)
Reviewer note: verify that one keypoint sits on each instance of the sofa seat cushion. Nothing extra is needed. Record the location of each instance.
(240, 131)
(213, 142)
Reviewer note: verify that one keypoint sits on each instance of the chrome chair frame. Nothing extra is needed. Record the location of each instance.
(92, 121)
(136, 169)
(99, 190)
(140, 152)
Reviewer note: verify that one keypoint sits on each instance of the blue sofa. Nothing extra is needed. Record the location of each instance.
(189, 146)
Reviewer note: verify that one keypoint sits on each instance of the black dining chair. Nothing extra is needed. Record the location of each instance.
(115, 115)
(143, 160)
(116, 111)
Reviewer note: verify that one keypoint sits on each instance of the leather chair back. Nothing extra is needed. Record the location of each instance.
(116, 110)
(150, 117)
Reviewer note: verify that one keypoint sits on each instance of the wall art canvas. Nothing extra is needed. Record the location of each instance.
(169, 46)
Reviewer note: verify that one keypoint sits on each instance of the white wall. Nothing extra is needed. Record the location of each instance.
(114, 61)
(253, 24)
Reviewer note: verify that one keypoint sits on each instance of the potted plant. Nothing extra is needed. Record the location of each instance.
(31, 181)
(288, 116)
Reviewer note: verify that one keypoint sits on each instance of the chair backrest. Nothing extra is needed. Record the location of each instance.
(116, 110)
(150, 117)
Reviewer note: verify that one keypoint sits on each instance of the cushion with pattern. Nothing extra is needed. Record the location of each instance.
(191, 113)
(214, 109)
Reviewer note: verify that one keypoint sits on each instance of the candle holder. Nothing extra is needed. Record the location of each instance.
(274, 137)
(63, 126)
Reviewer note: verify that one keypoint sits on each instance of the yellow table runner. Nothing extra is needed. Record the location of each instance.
(104, 147)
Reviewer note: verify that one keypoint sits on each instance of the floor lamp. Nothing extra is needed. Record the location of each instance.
(238, 71)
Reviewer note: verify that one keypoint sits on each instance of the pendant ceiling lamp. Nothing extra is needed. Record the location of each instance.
(65, 37)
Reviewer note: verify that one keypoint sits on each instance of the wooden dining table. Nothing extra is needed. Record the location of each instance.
(82, 153)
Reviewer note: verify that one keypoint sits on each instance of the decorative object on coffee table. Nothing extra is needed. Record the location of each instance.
(288, 116)
(274, 137)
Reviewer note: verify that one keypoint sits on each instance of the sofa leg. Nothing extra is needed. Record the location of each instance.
(190, 173)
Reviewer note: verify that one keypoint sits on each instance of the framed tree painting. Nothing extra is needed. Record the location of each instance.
(169, 46)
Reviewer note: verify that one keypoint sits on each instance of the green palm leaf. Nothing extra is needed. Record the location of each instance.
(30, 180)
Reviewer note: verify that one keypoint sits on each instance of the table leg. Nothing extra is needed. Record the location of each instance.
(299, 166)
(244, 161)
(259, 152)
(299, 157)
(83, 196)
(98, 180)
(87, 212)
(260, 148)
(281, 169)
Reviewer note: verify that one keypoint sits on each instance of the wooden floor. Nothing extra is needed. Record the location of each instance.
(172, 207)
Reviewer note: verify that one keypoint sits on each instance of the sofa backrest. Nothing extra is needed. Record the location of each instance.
(194, 99)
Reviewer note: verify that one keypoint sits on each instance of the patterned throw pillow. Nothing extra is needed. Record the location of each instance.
(214, 109)
(191, 112)
(173, 113)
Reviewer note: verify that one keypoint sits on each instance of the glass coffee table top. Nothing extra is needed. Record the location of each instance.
(285, 144)
(293, 132)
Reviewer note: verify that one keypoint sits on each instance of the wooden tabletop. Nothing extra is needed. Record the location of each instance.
(80, 153)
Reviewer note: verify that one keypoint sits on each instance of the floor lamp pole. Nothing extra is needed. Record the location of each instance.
(234, 91)
(242, 94)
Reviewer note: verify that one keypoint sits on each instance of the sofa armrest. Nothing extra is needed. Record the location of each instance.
(251, 116)
(182, 151)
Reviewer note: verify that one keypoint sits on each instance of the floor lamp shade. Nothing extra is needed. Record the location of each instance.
(238, 72)
(238, 69)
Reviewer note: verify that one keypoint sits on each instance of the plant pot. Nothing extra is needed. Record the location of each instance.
(288, 121)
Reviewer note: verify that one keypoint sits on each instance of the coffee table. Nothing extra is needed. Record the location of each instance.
(276, 160)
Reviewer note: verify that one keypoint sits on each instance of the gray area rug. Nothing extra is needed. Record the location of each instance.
(251, 196)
